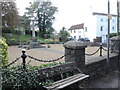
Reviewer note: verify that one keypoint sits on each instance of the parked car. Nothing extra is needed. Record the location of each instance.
(84, 39)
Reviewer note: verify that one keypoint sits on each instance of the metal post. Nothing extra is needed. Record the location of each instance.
(0, 45)
(101, 49)
(108, 35)
(0, 21)
(118, 17)
(24, 56)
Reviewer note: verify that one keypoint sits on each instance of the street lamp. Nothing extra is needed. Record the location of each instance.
(108, 35)
(0, 21)
(118, 12)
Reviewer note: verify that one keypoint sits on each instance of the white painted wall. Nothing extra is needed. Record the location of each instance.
(102, 21)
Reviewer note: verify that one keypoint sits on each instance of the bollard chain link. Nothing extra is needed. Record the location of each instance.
(11, 62)
(92, 53)
(104, 49)
(40, 60)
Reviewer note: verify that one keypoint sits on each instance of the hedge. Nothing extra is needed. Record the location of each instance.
(3, 52)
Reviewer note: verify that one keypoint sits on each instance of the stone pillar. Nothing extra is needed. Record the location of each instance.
(75, 52)
(115, 44)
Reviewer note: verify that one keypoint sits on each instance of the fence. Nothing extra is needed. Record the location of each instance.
(24, 56)
(100, 49)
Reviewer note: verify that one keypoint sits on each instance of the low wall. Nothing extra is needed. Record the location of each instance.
(97, 66)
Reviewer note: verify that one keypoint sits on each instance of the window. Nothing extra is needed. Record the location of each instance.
(79, 37)
(106, 20)
(85, 29)
(74, 37)
(74, 31)
(101, 20)
(71, 31)
(113, 28)
(79, 31)
(113, 20)
(101, 28)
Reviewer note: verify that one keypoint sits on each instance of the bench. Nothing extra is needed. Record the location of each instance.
(62, 75)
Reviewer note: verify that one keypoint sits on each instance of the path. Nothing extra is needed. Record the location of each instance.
(55, 51)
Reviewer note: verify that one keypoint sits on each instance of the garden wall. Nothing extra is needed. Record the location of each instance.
(98, 66)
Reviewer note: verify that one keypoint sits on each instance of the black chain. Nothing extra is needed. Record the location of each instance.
(40, 60)
(11, 63)
(92, 53)
(104, 49)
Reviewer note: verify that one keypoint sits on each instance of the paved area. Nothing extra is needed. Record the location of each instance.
(111, 80)
(55, 51)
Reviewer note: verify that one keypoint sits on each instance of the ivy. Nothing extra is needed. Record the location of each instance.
(3, 52)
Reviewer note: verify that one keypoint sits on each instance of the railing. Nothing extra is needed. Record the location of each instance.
(24, 56)
(101, 48)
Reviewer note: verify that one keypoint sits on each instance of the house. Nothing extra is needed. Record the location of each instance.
(77, 31)
(95, 26)
(102, 25)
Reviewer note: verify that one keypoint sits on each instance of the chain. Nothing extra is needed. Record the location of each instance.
(40, 60)
(104, 49)
(92, 53)
(11, 62)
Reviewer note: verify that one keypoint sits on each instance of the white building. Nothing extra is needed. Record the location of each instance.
(102, 25)
(77, 31)
(95, 25)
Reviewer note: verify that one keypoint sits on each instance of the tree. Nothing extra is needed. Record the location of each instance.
(64, 35)
(9, 15)
(43, 16)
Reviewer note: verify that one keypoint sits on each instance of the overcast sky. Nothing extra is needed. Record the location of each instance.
(71, 12)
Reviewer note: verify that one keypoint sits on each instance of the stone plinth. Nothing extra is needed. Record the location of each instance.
(115, 44)
(75, 52)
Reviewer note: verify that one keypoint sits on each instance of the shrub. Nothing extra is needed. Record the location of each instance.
(20, 79)
(3, 52)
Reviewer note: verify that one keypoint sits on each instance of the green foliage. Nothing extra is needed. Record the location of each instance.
(9, 15)
(15, 39)
(18, 78)
(113, 34)
(64, 35)
(3, 52)
(44, 18)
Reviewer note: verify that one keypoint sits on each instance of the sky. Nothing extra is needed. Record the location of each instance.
(72, 12)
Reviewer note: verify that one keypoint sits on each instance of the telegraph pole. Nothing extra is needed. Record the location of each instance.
(108, 35)
(118, 12)
(0, 21)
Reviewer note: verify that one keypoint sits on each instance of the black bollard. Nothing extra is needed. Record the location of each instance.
(24, 56)
(101, 49)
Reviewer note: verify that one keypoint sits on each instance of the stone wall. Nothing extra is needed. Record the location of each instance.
(95, 66)
(99, 67)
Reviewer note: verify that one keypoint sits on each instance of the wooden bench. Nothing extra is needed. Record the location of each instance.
(62, 75)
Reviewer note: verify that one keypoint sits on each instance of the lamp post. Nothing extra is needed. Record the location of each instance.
(108, 35)
(118, 6)
(0, 20)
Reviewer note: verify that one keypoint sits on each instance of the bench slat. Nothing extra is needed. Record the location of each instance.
(67, 81)
(63, 71)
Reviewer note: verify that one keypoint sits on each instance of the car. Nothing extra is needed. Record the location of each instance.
(84, 39)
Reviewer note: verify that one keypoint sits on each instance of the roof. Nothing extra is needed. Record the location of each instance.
(104, 14)
(78, 26)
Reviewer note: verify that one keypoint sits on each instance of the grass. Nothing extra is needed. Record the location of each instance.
(15, 39)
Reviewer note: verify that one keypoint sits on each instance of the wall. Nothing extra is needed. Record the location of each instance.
(97, 66)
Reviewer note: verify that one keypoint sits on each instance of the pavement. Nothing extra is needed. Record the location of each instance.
(55, 51)
(109, 81)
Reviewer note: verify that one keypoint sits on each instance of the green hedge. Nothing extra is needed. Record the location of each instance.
(3, 52)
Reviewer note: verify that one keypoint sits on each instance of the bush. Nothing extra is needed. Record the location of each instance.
(3, 52)
(20, 79)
